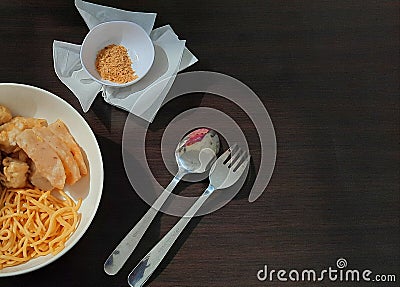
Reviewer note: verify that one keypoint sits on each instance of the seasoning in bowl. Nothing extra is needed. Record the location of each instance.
(114, 64)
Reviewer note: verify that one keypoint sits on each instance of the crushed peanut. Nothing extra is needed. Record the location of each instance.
(114, 64)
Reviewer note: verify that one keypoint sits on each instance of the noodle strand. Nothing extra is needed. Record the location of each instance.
(34, 223)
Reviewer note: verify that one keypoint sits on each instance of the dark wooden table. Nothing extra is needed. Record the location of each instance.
(328, 73)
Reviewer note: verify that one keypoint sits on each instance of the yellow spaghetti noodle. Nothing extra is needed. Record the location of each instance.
(34, 223)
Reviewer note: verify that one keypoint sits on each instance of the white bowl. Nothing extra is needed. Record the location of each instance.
(130, 35)
(30, 101)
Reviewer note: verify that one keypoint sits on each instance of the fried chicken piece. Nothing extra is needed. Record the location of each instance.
(15, 173)
(10, 130)
(5, 115)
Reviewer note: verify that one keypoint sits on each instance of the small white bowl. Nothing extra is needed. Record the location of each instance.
(130, 35)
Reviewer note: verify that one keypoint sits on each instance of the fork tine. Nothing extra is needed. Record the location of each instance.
(226, 154)
(234, 156)
(242, 166)
(233, 147)
(237, 162)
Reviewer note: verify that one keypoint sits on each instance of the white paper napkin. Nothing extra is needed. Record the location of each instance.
(145, 97)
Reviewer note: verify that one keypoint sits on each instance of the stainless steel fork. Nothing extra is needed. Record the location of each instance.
(224, 173)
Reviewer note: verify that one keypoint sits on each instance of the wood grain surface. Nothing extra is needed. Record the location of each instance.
(328, 74)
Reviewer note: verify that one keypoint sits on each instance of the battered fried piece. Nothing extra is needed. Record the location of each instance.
(10, 130)
(61, 130)
(46, 160)
(37, 179)
(70, 165)
(15, 173)
(5, 115)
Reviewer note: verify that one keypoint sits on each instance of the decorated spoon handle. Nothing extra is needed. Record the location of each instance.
(125, 248)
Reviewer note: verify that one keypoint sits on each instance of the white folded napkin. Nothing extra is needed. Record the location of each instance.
(171, 56)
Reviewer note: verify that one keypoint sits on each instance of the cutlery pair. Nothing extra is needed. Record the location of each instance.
(194, 154)
(224, 172)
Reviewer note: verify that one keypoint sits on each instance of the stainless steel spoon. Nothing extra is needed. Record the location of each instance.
(194, 154)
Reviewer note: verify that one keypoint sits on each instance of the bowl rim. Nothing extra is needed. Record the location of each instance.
(113, 22)
(100, 180)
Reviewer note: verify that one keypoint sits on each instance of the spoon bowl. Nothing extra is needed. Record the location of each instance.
(197, 150)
